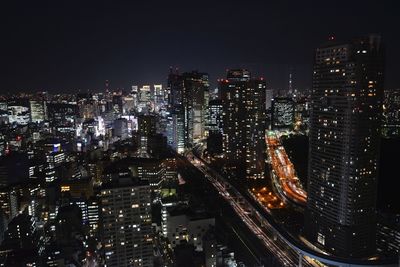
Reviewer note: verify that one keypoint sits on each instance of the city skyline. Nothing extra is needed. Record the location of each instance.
(216, 134)
(65, 48)
(153, 175)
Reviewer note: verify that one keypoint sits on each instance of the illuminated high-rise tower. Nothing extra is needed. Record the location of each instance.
(243, 102)
(344, 146)
(125, 223)
(174, 89)
(195, 104)
(188, 92)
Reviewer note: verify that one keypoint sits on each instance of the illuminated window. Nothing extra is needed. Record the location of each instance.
(65, 188)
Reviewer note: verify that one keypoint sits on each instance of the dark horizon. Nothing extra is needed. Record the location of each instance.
(69, 47)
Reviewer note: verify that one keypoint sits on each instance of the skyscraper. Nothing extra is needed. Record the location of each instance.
(243, 101)
(174, 89)
(126, 223)
(214, 139)
(215, 116)
(344, 146)
(176, 130)
(189, 92)
(146, 129)
(195, 89)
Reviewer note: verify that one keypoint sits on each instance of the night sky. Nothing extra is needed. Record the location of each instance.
(77, 45)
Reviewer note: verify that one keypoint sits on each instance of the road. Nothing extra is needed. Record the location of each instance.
(251, 217)
(283, 172)
(230, 229)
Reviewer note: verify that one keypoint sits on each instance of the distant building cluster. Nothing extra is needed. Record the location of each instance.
(83, 177)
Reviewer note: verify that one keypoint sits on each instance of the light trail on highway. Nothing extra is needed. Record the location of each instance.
(261, 228)
(289, 184)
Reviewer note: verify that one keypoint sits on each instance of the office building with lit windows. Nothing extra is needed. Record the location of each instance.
(158, 95)
(176, 130)
(145, 94)
(174, 89)
(214, 138)
(93, 215)
(146, 129)
(189, 93)
(186, 226)
(282, 113)
(125, 223)
(344, 146)
(215, 116)
(195, 91)
(243, 101)
(53, 160)
(18, 112)
(38, 111)
(391, 114)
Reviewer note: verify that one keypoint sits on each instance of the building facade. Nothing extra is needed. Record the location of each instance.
(38, 111)
(344, 146)
(189, 94)
(125, 216)
(282, 113)
(215, 116)
(243, 101)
